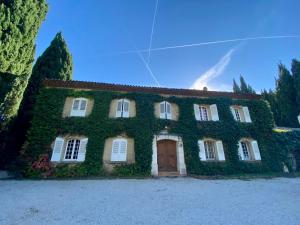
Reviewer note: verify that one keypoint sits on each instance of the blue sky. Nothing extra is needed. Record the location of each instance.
(99, 35)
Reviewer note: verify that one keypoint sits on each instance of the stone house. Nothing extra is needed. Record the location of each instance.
(168, 154)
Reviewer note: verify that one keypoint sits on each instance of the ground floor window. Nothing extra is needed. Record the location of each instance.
(210, 150)
(72, 149)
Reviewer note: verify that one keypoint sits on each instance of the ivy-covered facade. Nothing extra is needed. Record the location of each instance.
(96, 129)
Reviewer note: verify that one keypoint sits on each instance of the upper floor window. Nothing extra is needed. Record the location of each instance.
(69, 149)
(211, 150)
(79, 107)
(165, 110)
(299, 118)
(206, 112)
(119, 150)
(241, 113)
(248, 150)
(123, 108)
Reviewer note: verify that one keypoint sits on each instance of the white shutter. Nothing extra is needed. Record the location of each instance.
(240, 151)
(168, 111)
(202, 154)
(197, 112)
(299, 119)
(220, 150)
(115, 151)
(233, 113)
(256, 151)
(162, 110)
(57, 149)
(119, 108)
(126, 105)
(123, 150)
(214, 112)
(82, 150)
(247, 115)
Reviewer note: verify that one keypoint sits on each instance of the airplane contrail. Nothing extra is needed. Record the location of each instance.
(148, 68)
(152, 31)
(212, 42)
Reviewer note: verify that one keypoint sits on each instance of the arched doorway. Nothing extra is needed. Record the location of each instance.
(166, 156)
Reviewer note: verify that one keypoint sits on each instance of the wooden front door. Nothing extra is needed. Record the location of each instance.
(166, 156)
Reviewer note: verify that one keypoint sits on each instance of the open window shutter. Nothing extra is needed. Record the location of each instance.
(197, 112)
(168, 111)
(162, 110)
(123, 150)
(119, 108)
(247, 115)
(115, 151)
(240, 151)
(202, 154)
(214, 112)
(220, 150)
(82, 150)
(299, 119)
(126, 105)
(57, 149)
(233, 113)
(256, 151)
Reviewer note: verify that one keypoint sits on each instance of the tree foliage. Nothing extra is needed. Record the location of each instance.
(243, 88)
(296, 76)
(19, 24)
(285, 94)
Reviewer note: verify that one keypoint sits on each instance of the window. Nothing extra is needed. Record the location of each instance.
(211, 150)
(206, 112)
(248, 150)
(71, 149)
(245, 150)
(241, 113)
(79, 107)
(123, 108)
(165, 110)
(119, 150)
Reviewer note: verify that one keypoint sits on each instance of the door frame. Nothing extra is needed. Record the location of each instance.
(179, 153)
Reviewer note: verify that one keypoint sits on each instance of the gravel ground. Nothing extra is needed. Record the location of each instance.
(151, 201)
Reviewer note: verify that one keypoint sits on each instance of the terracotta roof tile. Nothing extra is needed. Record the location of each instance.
(155, 90)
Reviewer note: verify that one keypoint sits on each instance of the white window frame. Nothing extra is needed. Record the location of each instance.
(210, 150)
(119, 156)
(165, 114)
(241, 113)
(122, 113)
(248, 150)
(216, 148)
(73, 150)
(79, 112)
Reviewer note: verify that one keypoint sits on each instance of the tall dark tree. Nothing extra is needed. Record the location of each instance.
(296, 76)
(236, 87)
(285, 94)
(244, 88)
(270, 97)
(19, 23)
(54, 63)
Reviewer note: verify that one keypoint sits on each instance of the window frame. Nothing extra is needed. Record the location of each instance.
(75, 141)
(210, 149)
(166, 115)
(122, 101)
(117, 158)
(79, 112)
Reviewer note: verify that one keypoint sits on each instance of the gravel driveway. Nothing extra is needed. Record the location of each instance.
(151, 201)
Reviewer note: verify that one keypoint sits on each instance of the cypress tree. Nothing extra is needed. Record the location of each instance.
(285, 95)
(54, 63)
(19, 24)
(236, 88)
(270, 97)
(296, 76)
(243, 85)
